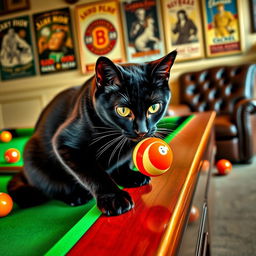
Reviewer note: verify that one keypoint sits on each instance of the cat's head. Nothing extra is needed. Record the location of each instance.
(132, 98)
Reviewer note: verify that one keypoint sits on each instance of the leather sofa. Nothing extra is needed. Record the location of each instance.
(229, 91)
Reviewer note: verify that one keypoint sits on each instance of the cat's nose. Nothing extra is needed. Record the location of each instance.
(140, 128)
(140, 134)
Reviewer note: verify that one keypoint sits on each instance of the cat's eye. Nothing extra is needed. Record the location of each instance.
(123, 111)
(154, 108)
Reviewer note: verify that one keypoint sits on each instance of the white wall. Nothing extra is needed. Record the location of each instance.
(21, 100)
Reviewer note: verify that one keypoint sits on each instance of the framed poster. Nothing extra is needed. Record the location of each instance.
(16, 53)
(99, 33)
(182, 27)
(222, 28)
(142, 29)
(253, 14)
(54, 39)
(7, 6)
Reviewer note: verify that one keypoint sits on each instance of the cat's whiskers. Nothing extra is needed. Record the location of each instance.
(124, 140)
(157, 135)
(107, 145)
(167, 131)
(103, 137)
(95, 140)
(107, 132)
(119, 145)
(164, 131)
(103, 127)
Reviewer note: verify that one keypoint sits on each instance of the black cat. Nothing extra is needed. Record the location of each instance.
(83, 139)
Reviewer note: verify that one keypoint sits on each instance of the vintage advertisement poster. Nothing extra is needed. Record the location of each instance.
(16, 53)
(253, 14)
(182, 27)
(55, 46)
(143, 31)
(222, 30)
(99, 33)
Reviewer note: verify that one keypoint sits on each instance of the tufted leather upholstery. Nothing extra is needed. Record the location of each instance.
(217, 88)
(228, 90)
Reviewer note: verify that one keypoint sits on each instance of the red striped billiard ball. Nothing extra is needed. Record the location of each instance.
(152, 156)
(5, 136)
(12, 155)
(6, 204)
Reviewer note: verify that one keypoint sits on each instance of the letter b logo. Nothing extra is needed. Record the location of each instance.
(100, 37)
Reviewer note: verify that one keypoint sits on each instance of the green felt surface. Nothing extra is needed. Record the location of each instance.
(53, 228)
(34, 231)
(63, 246)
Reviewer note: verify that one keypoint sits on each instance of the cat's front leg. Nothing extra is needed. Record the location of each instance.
(126, 177)
(110, 199)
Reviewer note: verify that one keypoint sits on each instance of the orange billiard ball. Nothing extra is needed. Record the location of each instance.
(12, 155)
(152, 156)
(6, 204)
(5, 136)
(194, 214)
(205, 166)
(224, 167)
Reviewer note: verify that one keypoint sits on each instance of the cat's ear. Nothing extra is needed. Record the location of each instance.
(160, 69)
(106, 72)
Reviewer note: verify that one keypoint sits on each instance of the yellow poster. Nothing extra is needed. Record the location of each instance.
(222, 27)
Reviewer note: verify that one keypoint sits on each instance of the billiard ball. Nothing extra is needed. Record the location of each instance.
(6, 204)
(194, 214)
(5, 136)
(224, 167)
(205, 166)
(152, 156)
(12, 155)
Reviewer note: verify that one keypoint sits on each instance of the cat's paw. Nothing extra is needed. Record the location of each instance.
(115, 203)
(132, 179)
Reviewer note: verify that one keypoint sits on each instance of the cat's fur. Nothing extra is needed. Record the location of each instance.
(81, 147)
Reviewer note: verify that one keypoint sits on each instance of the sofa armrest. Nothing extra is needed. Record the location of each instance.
(178, 110)
(242, 118)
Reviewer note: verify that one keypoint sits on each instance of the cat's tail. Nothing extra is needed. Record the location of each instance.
(24, 194)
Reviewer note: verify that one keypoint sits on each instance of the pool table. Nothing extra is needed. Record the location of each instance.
(19, 138)
(156, 226)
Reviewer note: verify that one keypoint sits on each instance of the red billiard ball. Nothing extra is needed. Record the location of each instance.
(12, 155)
(152, 156)
(6, 204)
(5, 136)
(224, 167)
